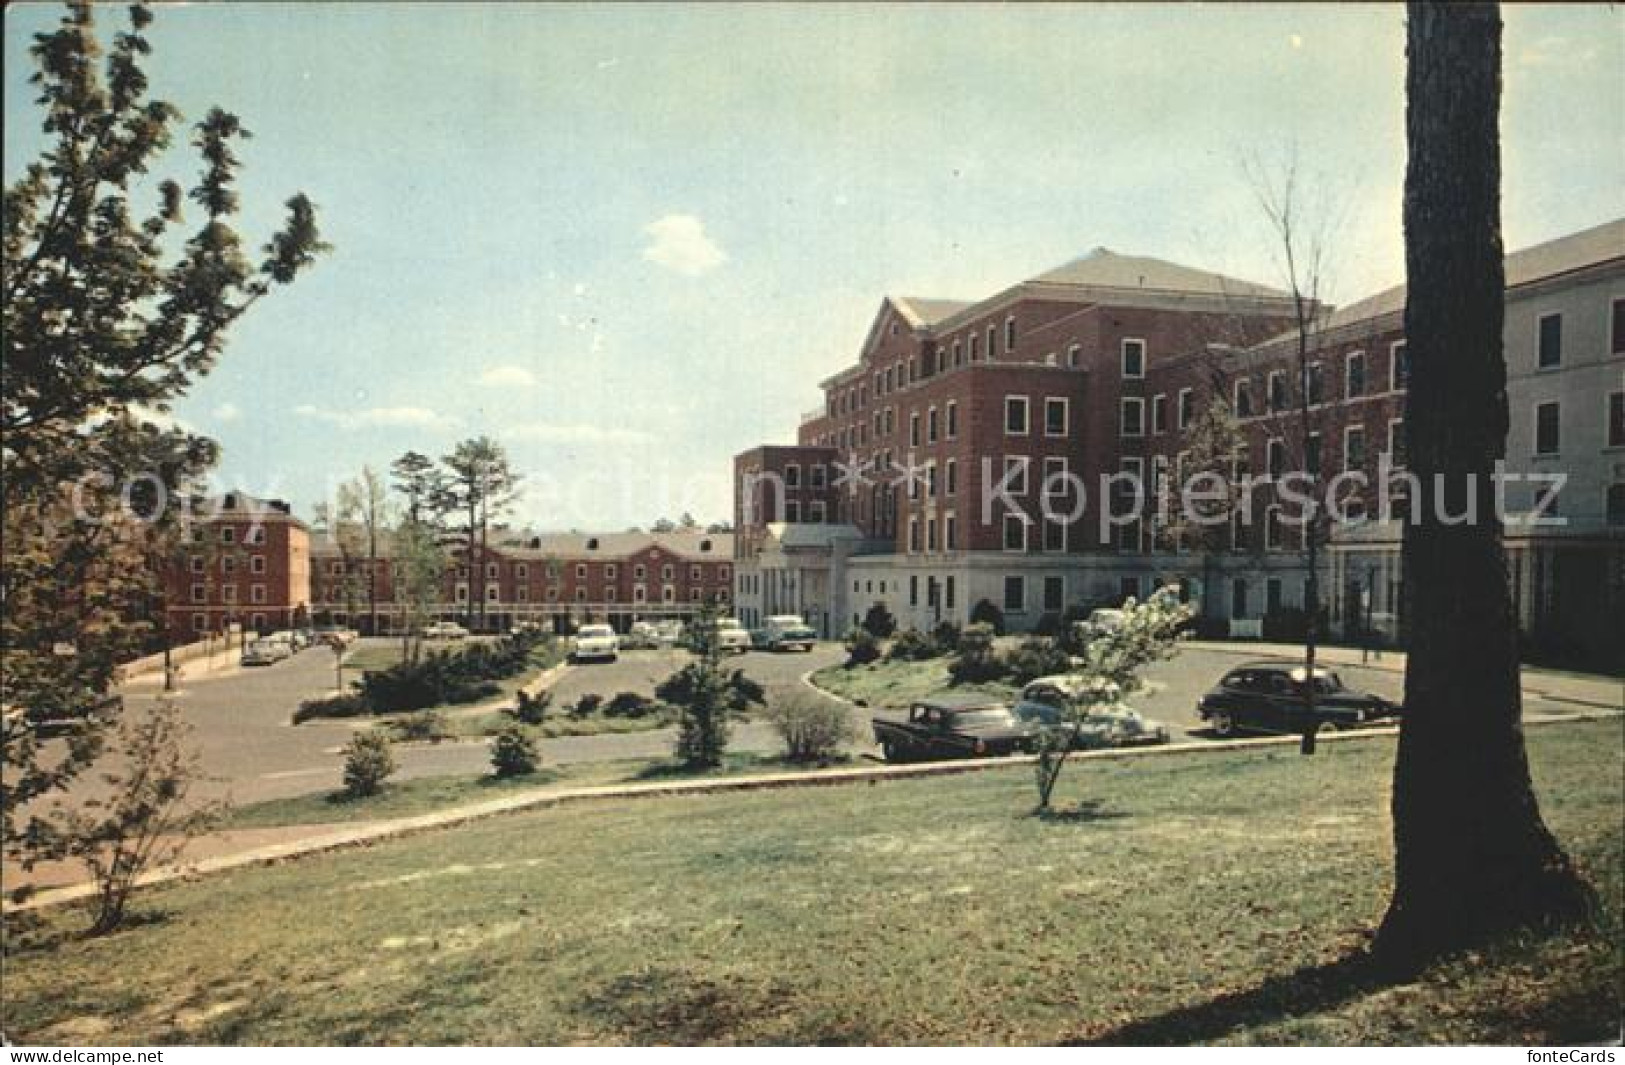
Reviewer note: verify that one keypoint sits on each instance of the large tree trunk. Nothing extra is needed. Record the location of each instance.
(1472, 855)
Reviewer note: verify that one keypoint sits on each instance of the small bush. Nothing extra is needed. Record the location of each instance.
(878, 622)
(813, 728)
(587, 705)
(1038, 656)
(985, 613)
(531, 709)
(514, 753)
(1070, 637)
(368, 762)
(347, 705)
(630, 704)
(420, 725)
(861, 648)
(976, 661)
(912, 646)
(946, 637)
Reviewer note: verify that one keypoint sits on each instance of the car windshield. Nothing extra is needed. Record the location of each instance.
(1326, 681)
(992, 715)
(596, 631)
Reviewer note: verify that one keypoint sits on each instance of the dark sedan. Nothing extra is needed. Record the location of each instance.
(1274, 697)
(955, 726)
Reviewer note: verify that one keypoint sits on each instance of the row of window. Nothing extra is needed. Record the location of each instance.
(521, 570)
(1549, 424)
(200, 623)
(1549, 336)
(254, 534)
(228, 564)
(609, 594)
(1279, 397)
(228, 593)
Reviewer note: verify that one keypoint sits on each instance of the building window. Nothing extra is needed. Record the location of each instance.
(1055, 416)
(1616, 419)
(200, 593)
(948, 592)
(1187, 408)
(930, 534)
(1548, 428)
(992, 340)
(668, 594)
(792, 512)
(521, 571)
(492, 594)
(1616, 503)
(1243, 399)
(228, 535)
(255, 535)
(1054, 593)
(931, 426)
(1354, 447)
(1311, 455)
(1396, 442)
(914, 429)
(1009, 334)
(639, 572)
(950, 477)
(1015, 415)
(1015, 474)
(200, 623)
(1277, 391)
(1275, 457)
(950, 531)
(914, 534)
(1133, 416)
(581, 571)
(228, 593)
(1550, 341)
(1399, 366)
(959, 353)
(1159, 413)
(1133, 358)
(1238, 598)
(1055, 536)
(817, 473)
(256, 593)
(197, 564)
(792, 475)
(1617, 327)
(1015, 594)
(970, 347)
(1315, 383)
(1015, 533)
(818, 513)
(722, 573)
(611, 571)
(1354, 374)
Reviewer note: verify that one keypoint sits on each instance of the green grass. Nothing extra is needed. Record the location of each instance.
(421, 795)
(895, 684)
(1177, 898)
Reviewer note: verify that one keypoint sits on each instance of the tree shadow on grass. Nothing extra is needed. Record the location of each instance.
(1084, 811)
(1309, 990)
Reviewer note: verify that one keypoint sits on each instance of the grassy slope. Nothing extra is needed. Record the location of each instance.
(1187, 898)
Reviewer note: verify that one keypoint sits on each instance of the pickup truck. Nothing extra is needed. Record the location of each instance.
(954, 726)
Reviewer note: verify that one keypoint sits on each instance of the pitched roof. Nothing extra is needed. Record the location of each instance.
(924, 311)
(234, 504)
(1104, 268)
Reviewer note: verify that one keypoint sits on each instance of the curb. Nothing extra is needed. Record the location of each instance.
(402, 827)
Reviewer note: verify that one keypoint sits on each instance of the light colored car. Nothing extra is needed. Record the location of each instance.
(732, 636)
(1067, 702)
(265, 653)
(641, 636)
(444, 630)
(670, 632)
(287, 639)
(595, 643)
(787, 632)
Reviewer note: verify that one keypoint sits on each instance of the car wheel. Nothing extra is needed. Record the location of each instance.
(1223, 725)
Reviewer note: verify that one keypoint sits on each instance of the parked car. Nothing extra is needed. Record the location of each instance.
(595, 643)
(444, 630)
(670, 632)
(642, 636)
(286, 638)
(1048, 702)
(46, 721)
(954, 726)
(784, 632)
(732, 637)
(265, 653)
(336, 636)
(1273, 697)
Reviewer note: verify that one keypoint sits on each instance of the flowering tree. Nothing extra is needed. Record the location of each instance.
(1114, 656)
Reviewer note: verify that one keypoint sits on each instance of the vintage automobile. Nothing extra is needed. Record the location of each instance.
(642, 636)
(784, 633)
(1059, 702)
(594, 643)
(1272, 696)
(444, 630)
(732, 637)
(50, 720)
(265, 653)
(954, 726)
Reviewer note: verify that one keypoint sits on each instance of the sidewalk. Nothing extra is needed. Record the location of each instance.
(1589, 690)
(234, 850)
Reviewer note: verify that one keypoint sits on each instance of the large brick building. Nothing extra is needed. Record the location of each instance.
(922, 480)
(556, 579)
(246, 562)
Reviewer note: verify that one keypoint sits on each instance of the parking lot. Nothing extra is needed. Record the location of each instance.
(241, 715)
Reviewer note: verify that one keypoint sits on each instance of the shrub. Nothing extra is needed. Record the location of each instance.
(985, 613)
(587, 705)
(976, 661)
(368, 762)
(1070, 638)
(630, 704)
(531, 709)
(514, 753)
(878, 622)
(420, 725)
(813, 728)
(861, 647)
(735, 690)
(946, 637)
(1038, 656)
(348, 704)
(912, 646)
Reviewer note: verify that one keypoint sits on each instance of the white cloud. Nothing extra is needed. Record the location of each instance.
(507, 377)
(580, 434)
(376, 417)
(227, 412)
(678, 242)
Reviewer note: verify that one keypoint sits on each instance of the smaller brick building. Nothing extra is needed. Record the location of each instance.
(247, 563)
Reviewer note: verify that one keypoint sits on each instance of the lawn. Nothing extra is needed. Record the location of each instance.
(894, 684)
(1190, 897)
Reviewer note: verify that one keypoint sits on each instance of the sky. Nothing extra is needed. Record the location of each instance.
(627, 241)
